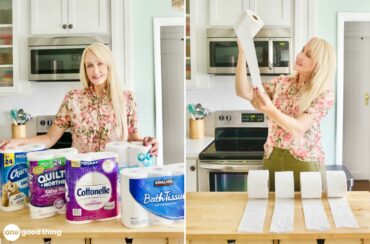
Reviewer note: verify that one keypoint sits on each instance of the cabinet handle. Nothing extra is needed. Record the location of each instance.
(64, 26)
(367, 99)
(70, 26)
(192, 168)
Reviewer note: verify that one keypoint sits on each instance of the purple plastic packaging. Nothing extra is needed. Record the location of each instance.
(91, 187)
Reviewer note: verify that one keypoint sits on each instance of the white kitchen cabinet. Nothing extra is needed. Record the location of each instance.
(9, 71)
(191, 175)
(274, 13)
(69, 17)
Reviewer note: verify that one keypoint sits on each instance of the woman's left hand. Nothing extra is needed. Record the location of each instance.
(261, 101)
(150, 141)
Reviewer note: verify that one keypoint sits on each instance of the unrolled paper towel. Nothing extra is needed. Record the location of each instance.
(254, 214)
(283, 216)
(311, 190)
(133, 215)
(340, 209)
(246, 28)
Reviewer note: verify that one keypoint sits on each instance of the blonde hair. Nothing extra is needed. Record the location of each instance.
(323, 74)
(113, 85)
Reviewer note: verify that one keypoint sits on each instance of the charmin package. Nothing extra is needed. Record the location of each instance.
(13, 176)
(91, 187)
(46, 175)
(131, 154)
(152, 195)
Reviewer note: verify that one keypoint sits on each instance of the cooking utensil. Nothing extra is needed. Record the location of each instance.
(191, 110)
(13, 115)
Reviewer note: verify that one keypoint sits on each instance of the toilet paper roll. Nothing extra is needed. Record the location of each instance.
(41, 155)
(313, 210)
(121, 148)
(339, 207)
(258, 184)
(158, 171)
(133, 215)
(283, 216)
(65, 151)
(311, 186)
(33, 147)
(255, 211)
(139, 155)
(177, 169)
(246, 28)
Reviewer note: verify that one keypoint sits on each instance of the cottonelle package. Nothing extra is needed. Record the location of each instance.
(46, 176)
(13, 176)
(151, 196)
(91, 187)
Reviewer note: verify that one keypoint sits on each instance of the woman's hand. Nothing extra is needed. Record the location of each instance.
(261, 101)
(153, 143)
(10, 143)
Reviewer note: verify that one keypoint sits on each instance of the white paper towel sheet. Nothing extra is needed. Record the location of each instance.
(283, 216)
(340, 209)
(246, 28)
(255, 212)
(313, 210)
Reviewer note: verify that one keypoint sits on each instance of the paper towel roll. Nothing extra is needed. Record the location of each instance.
(258, 184)
(283, 216)
(133, 215)
(246, 28)
(121, 148)
(158, 171)
(284, 184)
(139, 156)
(336, 183)
(311, 186)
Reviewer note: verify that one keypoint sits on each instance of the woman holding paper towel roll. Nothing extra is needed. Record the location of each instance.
(97, 114)
(295, 105)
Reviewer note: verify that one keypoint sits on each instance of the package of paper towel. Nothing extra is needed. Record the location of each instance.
(46, 176)
(131, 154)
(152, 196)
(91, 187)
(13, 176)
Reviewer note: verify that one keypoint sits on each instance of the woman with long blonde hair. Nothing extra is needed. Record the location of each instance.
(295, 105)
(97, 114)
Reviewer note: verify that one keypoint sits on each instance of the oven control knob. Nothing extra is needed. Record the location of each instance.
(192, 168)
(228, 117)
(221, 117)
(50, 122)
(42, 122)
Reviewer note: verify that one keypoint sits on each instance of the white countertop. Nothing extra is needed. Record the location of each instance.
(195, 146)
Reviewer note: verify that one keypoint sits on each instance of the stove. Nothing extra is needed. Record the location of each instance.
(43, 124)
(237, 148)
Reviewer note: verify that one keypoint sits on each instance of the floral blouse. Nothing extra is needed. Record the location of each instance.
(92, 120)
(285, 94)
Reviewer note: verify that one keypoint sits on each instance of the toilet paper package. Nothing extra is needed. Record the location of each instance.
(91, 187)
(13, 176)
(152, 195)
(46, 176)
(131, 154)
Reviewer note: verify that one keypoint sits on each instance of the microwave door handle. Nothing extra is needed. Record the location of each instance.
(271, 54)
(229, 168)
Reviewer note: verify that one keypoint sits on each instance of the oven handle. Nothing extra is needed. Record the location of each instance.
(229, 168)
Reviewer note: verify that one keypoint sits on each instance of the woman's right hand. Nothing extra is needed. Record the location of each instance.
(10, 143)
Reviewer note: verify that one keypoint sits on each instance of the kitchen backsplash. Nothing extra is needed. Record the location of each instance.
(45, 99)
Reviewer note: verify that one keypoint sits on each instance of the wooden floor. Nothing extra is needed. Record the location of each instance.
(361, 185)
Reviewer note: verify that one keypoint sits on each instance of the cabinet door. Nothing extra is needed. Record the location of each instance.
(191, 175)
(226, 12)
(88, 16)
(273, 12)
(49, 17)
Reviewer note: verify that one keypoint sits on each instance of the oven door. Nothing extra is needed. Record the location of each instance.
(55, 62)
(216, 177)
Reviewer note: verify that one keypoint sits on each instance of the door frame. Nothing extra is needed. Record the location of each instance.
(342, 18)
(157, 24)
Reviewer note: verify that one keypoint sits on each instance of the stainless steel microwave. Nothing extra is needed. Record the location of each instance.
(273, 50)
(58, 58)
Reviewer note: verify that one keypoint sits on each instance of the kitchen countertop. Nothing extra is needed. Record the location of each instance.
(195, 146)
(206, 218)
(97, 229)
